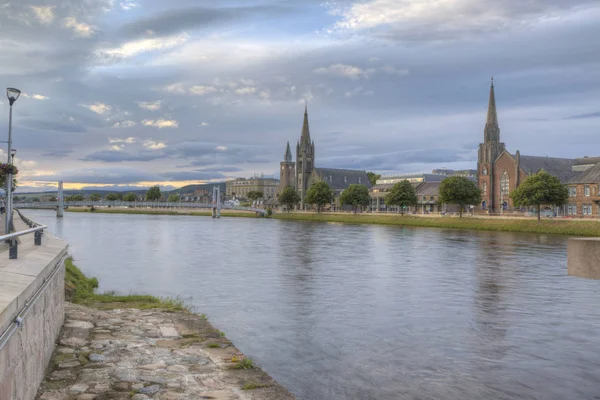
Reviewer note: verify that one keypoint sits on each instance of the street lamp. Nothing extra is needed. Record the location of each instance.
(12, 94)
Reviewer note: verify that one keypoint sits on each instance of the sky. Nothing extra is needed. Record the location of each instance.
(133, 93)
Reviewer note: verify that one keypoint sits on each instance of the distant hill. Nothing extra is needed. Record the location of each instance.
(193, 188)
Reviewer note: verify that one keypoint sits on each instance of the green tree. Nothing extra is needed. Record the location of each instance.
(289, 198)
(459, 190)
(254, 195)
(130, 197)
(173, 198)
(111, 197)
(53, 198)
(403, 194)
(319, 194)
(373, 177)
(356, 196)
(540, 189)
(36, 199)
(153, 193)
(95, 197)
(75, 197)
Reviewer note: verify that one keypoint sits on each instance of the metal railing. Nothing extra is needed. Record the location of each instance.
(13, 242)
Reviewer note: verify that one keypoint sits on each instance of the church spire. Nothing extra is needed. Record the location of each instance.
(288, 153)
(305, 138)
(492, 130)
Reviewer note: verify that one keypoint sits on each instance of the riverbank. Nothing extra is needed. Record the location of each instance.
(182, 211)
(141, 347)
(546, 226)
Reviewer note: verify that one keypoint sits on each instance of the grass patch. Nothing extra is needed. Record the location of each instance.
(546, 226)
(214, 346)
(245, 363)
(254, 385)
(80, 290)
(160, 212)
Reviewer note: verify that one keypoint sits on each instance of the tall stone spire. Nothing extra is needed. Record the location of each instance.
(492, 130)
(288, 153)
(305, 138)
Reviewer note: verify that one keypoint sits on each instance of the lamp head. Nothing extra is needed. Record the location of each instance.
(12, 94)
(13, 152)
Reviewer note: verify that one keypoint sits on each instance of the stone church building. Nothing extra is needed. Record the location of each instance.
(302, 174)
(500, 172)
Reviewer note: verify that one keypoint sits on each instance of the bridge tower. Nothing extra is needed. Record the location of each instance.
(216, 203)
(61, 201)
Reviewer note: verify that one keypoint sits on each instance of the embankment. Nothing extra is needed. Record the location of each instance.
(546, 226)
(182, 211)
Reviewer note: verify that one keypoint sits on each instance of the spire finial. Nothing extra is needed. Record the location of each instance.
(305, 106)
(492, 81)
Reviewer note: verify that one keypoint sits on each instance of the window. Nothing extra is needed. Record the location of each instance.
(359, 179)
(330, 178)
(572, 209)
(572, 191)
(484, 188)
(504, 183)
(586, 209)
(431, 198)
(345, 179)
(587, 190)
(484, 172)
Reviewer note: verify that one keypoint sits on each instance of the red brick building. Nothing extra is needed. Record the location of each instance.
(500, 172)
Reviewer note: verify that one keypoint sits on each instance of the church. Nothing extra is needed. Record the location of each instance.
(302, 174)
(499, 172)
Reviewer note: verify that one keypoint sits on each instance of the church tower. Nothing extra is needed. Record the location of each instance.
(489, 151)
(305, 159)
(288, 171)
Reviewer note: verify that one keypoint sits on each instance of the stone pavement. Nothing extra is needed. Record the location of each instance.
(143, 354)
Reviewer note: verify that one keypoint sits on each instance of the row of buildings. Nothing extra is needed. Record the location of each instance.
(498, 173)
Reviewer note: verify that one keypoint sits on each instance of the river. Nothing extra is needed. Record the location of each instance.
(362, 312)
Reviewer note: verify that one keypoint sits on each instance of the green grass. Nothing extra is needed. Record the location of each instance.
(161, 212)
(254, 385)
(245, 363)
(545, 226)
(81, 290)
(214, 346)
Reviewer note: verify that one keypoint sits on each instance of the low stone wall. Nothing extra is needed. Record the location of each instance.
(25, 355)
(583, 257)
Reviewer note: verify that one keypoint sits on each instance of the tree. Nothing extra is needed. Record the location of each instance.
(289, 198)
(95, 197)
(356, 196)
(540, 189)
(153, 193)
(111, 197)
(373, 177)
(173, 198)
(130, 197)
(53, 198)
(459, 190)
(319, 194)
(254, 195)
(75, 197)
(403, 194)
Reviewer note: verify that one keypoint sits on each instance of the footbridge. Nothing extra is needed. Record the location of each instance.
(136, 204)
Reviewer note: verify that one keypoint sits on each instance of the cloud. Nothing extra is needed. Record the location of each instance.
(101, 175)
(45, 14)
(175, 88)
(346, 71)
(124, 124)
(389, 69)
(79, 28)
(128, 5)
(245, 90)
(161, 123)
(129, 140)
(585, 116)
(98, 108)
(34, 96)
(112, 156)
(204, 123)
(135, 47)
(202, 90)
(150, 105)
(154, 145)
(221, 148)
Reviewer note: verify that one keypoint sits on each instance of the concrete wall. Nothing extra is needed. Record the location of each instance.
(24, 358)
(583, 257)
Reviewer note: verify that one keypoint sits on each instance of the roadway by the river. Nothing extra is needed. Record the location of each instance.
(364, 312)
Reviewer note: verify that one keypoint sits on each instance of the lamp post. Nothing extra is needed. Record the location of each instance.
(12, 94)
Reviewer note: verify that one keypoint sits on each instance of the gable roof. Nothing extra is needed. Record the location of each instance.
(591, 175)
(562, 168)
(335, 177)
(429, 189)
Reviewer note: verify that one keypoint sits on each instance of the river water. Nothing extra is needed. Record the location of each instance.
(337, 311)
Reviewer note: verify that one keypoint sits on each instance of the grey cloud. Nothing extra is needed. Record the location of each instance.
(111, 156)
(585, 116)
(60, 153)
(52, 125)
(122, 175)
(197, 175)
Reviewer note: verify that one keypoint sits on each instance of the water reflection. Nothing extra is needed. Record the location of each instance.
(366, 312)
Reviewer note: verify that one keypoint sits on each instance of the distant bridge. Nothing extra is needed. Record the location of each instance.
(135, 204)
